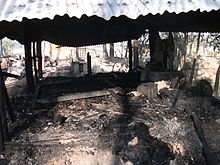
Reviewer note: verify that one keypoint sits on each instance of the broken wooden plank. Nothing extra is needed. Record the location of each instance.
(206, 149)
(82, 95)
(6, 74)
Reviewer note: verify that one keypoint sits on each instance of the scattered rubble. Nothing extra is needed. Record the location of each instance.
(122, 129)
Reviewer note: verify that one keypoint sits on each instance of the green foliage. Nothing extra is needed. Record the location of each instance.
(143, 44)
(7, 46)
(213, 40)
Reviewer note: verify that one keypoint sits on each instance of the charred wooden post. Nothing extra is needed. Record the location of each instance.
(28, 58)
(8, 103)
(89, 66)
(130, 55)
(165, 47)
(35, 62)
(6, 97)
(136, 58)
(2, 146)
(39, 55)
(171, 51)
(4, 124)
(152, 37)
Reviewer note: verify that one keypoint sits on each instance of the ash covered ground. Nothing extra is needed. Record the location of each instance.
(113, 130)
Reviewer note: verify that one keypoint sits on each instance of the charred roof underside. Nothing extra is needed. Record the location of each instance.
(66, 31)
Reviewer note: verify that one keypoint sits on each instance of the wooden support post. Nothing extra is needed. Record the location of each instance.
(39, 55)
(28, 59)
(136, 59)
(152, 36)
(3, 119)
(89, 67)
(35, 62)
(130, 55)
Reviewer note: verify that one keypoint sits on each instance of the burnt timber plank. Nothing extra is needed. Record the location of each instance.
(81, 95)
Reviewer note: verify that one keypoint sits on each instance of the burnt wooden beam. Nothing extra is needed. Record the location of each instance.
(2, 146)
(81, 95)
(6, 98)
(39, 55)
(8, 103)
(206, 149)
(89, 66)
(130, 55)
(28, 58)
(6, 74)
(3, 119)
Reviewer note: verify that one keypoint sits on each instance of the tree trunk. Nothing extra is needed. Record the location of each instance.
(105, 52)
(77, 53)
(126, 51)
(136, 58)
(39, 55)
(184, 51)
(130, 55)
(192, 73)
(35, 62)
(111, 51)
(198, 42)
(217, 82)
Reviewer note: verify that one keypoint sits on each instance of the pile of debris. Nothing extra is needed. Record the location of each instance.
(122, 127)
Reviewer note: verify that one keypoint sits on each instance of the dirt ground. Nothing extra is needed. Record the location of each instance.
(112, 129)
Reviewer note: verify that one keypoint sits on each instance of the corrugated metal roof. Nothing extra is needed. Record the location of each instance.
(17, 9)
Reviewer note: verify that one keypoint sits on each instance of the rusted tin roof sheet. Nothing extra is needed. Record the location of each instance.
(17, 9)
